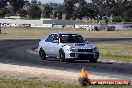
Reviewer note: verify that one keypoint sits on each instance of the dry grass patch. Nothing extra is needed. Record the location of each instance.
(37, 33)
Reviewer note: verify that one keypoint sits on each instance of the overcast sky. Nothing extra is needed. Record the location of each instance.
(56, 1)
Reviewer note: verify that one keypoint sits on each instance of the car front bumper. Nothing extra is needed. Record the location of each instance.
(82, 55)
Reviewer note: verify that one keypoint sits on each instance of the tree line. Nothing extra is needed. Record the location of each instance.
(117, 10)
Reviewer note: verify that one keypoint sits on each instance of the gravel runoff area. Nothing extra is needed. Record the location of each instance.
(25, 72)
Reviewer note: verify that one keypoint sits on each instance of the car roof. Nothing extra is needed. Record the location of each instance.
(60, 33)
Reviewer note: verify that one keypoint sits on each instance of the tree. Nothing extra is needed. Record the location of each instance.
(3, 3)
(26, 2)
(60, 15)
(93, 11)
(6, 12)
(17, 4)
(58, 10)
(75, 9)
(23, 13)
(115, 8)
(80, 9)
(33, 2)
(69, 8)
(34, 11)
(47, 11)
(55, 14)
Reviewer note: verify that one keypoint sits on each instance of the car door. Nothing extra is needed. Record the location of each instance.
(47, 45)
(55, 46)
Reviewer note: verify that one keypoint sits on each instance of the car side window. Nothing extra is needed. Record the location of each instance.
(49, 39)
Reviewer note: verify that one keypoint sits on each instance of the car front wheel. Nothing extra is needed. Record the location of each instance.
(61, 55)
(42, 54)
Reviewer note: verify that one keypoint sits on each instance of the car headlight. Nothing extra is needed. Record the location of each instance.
(96, 49)
(72, 49)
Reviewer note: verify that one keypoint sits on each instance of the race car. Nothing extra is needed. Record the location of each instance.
(67, 47)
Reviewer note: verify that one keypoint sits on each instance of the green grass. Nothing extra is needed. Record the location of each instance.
(32, 83)
(116, 51)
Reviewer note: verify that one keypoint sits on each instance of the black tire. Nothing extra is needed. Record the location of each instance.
(93, 60)
(42, 54)
(61, 55)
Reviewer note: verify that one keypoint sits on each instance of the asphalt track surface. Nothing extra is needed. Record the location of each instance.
(14, 52)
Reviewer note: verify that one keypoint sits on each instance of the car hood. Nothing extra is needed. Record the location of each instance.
(80, 45)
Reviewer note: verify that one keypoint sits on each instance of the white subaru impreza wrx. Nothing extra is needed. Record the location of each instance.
(67, 47)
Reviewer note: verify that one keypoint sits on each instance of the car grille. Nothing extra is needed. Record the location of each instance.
(85, 56)
(85, 50)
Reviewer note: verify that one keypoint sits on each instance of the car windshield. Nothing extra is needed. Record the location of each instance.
(71, 38)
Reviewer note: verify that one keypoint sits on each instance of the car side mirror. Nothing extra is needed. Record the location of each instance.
(55, 41)
(87, 41)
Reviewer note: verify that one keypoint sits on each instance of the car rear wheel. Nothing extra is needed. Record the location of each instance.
(61, 55)
(42, 54)
(93, 60)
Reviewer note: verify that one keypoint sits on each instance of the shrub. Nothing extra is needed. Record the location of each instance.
(128, 19)
(10, 14)
(117, 19)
